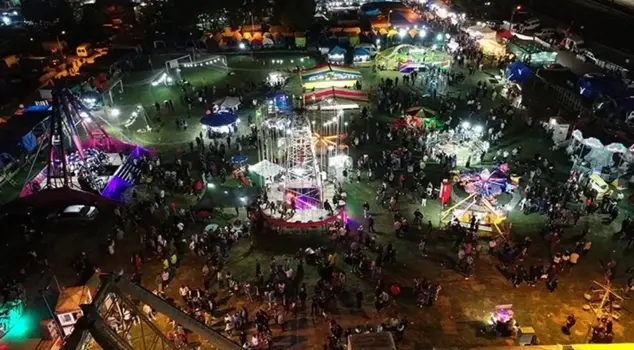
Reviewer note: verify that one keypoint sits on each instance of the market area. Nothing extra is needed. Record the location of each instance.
(430, 181)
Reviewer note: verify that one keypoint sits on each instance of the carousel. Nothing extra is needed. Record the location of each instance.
(482, 205)
(419, 118)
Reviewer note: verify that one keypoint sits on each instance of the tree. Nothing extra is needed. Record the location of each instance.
(47, 11)
(295, 14)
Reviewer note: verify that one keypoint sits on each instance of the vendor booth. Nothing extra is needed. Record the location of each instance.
(361, 55)
(346, 98)
(219, 123)
(419, 117)
(408, 58)
(490, 47)
(531, 52)
(481, 32)
(228, 103)
(327, 76)
(337, 55)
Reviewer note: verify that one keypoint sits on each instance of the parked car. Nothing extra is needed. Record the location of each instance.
(530, 24)
(74, 214)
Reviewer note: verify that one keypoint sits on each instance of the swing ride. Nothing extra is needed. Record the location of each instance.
(480, 205)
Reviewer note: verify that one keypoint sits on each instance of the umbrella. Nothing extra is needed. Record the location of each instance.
(421, 112)
(239, 159)
(616, 148)
(211, 227)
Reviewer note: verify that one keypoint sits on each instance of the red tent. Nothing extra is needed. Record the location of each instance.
(505, 34)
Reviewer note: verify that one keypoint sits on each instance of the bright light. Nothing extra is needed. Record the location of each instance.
(434, 47)
(422, 33)
(466, 125)
(439, 37)
(378, 41)
(402, 32)
(63, 32)
(6, 20)
(478, 128)
(84, 115)
(243, 199)
(211, 186)
(448, 36)
(115, 112)
(242, 46)
(552, 121)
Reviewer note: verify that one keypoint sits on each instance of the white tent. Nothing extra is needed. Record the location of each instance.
(228, 103)
(267, 169)
(481, 32)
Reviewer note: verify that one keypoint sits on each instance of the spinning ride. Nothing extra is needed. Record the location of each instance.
(481, 205)
(298, 188)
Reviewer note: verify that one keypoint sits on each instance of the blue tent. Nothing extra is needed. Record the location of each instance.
(360, 51)
(337, 51)
(518, 72)
(593, 85)
(218, 119)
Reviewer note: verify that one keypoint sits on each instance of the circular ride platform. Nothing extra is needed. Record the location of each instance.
(306, 216)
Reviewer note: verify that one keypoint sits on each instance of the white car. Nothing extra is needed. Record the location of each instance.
(74, 213)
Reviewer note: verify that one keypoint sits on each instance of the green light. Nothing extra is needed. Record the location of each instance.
(21, 328)
(439, 37)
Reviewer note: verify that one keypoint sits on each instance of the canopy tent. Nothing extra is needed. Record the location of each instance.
(518, 72)
(481, 32)
(419, 117)
(337, 93)
(337, 55)
(361, 55)
(491, 47)
(16, 131)
(594, 85)
(267, 169)
(221, 122)
(228, 103)
(327, 75)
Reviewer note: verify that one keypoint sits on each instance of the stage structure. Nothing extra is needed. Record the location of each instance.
(98, 164)
(296, 176)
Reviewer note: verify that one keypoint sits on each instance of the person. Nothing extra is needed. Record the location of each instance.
(570, 322)
(359, 299)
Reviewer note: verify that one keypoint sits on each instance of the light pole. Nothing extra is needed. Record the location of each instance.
(515, 9)
(389, 18)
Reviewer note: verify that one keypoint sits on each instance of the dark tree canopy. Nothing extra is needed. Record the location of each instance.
(47, 11)
(295, 14)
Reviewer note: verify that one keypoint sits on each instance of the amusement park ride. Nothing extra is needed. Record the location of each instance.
(81, 169)
(482, 188)
(300, 164)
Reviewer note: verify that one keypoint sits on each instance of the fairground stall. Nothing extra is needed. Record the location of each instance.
(591, 157)
(337, 55)
(420, 118)
(218, 124)
(487, 40)
(531, 51)
(408, 58)
(361, 56)
(335, 99)
(328, 76)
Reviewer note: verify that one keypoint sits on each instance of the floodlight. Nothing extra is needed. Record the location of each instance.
(115, 112)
